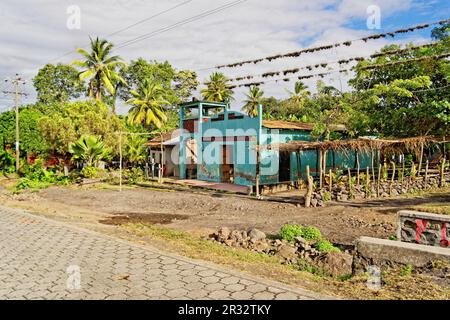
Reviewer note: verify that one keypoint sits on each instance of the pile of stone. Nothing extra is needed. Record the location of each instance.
(386, 189)
(333, 263)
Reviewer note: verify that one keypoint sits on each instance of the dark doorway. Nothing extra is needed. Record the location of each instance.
(227, 163)
(285, 167)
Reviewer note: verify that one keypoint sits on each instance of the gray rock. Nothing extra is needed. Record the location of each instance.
(314, 202)
(256, 235)
(287, 252)
(336, 263)
(223, 234)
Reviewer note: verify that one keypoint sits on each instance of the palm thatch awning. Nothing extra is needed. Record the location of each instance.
(364, 144)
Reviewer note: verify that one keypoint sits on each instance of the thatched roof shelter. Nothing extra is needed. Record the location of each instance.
(364, 144)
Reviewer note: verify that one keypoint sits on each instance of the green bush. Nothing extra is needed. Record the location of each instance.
(89, 172)
(134, 175)
(326, 246)
(326, 196)
(6, 162)
(289, 232)
(311, 234)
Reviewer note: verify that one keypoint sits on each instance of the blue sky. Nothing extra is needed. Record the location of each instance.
(35, 33)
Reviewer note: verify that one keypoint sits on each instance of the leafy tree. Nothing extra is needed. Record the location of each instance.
(148, 105)
(218, 88)
(186, 82)
(253, 100)
(31, 139)
(57, 83)
(442, 32)
(100, 68)
(74, 120)
(405, 99)
(90, 150)
(141, 70)
(178, 85)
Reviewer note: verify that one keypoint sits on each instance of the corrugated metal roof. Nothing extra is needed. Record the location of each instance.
(288, 125)
(279, 124)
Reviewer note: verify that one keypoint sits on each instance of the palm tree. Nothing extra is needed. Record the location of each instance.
(299, 94)
(100, 67)
(90, 150)
(254, 99)
(135, 149)
(148, 105)
(218, 88)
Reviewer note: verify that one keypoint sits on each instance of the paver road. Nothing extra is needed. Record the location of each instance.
(45, 259)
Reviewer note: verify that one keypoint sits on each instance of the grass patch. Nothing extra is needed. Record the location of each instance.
(437, 208)
(302, 275)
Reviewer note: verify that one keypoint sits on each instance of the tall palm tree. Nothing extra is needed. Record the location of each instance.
(148, 105)
(254, 99)
(218, 88)
(299, 94)
(99, 67)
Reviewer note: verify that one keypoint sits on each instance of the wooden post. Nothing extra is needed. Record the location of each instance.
(372, 161)
(426, 172)
(331, 179)
(442, 183)
(357, 169)
(367, 181)
(309, 191)
(392, 178)
(257, 185)
(403, 168)
(420, 159)
(120, 161)
(378, 180)
(320, 168)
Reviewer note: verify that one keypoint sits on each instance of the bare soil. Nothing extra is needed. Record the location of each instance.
(204, 212)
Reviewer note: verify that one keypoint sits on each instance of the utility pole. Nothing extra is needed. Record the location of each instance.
(16, 81)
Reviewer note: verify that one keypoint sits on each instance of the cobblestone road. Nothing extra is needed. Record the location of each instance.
(40, 259)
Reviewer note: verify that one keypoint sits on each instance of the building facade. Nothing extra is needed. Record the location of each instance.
(220, 145)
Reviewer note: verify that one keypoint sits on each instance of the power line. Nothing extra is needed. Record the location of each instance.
(134, 25)
(180, 23)
(330, 46)
(340, 61)
(369, 67)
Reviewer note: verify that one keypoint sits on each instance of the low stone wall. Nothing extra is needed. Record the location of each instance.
(388, 253)
(342, 192)
(423, 228)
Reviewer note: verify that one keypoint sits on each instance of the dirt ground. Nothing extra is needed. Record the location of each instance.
(174, 220)
(204, 212)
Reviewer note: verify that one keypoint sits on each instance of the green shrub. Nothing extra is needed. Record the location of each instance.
(134, 175)
(326, 246)
(89, 172)
(406, 271)
(311, 234)
(26, 183)
(289, 232)
(6, 162)
(326, 196)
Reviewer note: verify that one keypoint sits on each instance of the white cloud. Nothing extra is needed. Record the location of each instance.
(34, 34)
